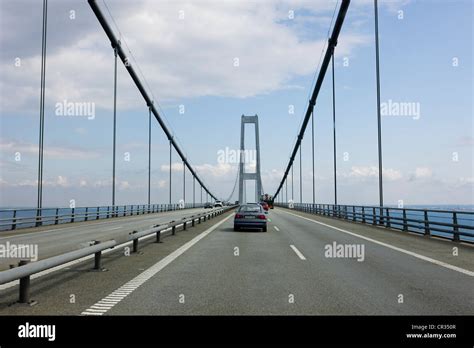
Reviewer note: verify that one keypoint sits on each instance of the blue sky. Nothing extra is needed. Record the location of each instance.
(190, 62)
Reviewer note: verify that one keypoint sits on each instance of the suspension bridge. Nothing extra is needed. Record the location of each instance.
(177, 257)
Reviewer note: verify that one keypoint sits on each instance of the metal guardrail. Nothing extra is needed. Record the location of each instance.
(11, 219)
(26, 269)
(455, 225)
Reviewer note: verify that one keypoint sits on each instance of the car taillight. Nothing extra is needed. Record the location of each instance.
(262, 217)
(239, 216)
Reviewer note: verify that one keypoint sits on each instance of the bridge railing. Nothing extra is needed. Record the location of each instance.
(26, 269)
(11, 219)
(456, 225)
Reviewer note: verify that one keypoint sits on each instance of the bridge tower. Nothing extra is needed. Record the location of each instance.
(243, 176)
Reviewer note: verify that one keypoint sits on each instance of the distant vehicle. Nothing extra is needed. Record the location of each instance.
(208, 205)
(250, 216)
(267, 199)
(236, 203)
(264, 205)
(218, 204)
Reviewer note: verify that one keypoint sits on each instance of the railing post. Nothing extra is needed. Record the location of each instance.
(354, 213)
(405, 225)
(363, 214)
(98, 209)
(38, 217)
(87, 212)
(97, 257)
(108, 207)
(427, 224)
(135, 244)
(72, 214)
(388, 218)
(24, 285)
(14, 220)
(56, 219)
(374, 216)
(456, 228)
(124, 210)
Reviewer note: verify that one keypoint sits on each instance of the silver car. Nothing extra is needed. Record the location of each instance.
(250, 216)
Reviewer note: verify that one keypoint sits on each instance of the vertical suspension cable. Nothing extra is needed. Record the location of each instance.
(42, 96)
(149, 155)
(301, 176)
(170, 172)
(379, 121)
(292, 184)
(184, 182)
(194, 192)
(114, 127)
(312, 154)
(334, 128)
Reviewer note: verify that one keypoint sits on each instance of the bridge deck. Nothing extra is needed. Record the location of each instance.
(210, 279)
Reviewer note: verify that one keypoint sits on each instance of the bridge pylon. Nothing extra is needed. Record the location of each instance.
(243, 176)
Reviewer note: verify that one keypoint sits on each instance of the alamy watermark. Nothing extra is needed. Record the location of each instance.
(80, 109)
(349, 251)
(393, 108)
(19, 251)
(232, 156)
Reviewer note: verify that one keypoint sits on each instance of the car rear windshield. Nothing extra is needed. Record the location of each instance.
(250, 208)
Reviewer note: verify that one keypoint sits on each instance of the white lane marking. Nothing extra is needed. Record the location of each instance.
(411, 253)
(300, 255)
(115, 228)
(96, 310)
(153, 270)
(269, 220)
(276, 228)
(102, 306)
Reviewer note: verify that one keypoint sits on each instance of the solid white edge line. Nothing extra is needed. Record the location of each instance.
(300, 255)
(158, 266)
(421, 257)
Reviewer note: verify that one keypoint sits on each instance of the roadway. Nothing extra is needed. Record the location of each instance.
(58, 239)
(216, 271)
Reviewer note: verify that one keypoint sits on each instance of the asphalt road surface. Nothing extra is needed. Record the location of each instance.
(285, 271)
(212, 270)
(55, 240)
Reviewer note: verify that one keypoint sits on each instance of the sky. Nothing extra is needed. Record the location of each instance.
(208, 62)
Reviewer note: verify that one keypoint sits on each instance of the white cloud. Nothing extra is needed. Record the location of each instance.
(363, 172)
(124, 185)
(423, 173)
(62, 181)
(220, 170)
(181, 58)
(175, 167)
(162, 183)
(51, 152)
